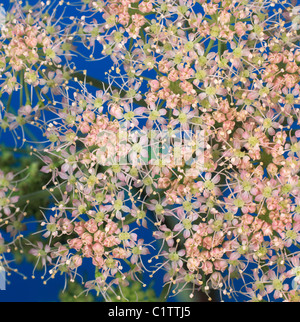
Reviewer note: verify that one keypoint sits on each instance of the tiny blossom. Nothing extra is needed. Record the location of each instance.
(2, 17)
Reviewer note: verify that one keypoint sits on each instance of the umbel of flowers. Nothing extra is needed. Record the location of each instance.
(193, 135)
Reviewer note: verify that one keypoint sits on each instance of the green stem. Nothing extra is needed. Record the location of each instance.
(219, 49)
(210, 45)
(146, 78)
(22, 85)
(165, 293)
(8, 102)
(102, 85)
(130, 44)
(39, 96)
(37, 195)
(93, 81)
(28, 100)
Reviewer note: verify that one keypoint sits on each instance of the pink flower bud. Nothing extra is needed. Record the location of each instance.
(77, 261)
(86, 238)
(79, 228)
(84, 127)
(98, 261)
(88, 116)
(98, 249)
(75, 243)
(91, 226)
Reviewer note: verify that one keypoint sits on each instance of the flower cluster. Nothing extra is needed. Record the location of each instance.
(11, 218)
(33, 48)
(194, 133)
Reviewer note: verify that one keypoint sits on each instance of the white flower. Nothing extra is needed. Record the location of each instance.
(296, 280)
(296, 19)
(296, 10)
(2, 16)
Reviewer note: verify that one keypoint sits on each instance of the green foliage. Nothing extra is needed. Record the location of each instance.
(134, 292)
(30, 178)
(75, 293)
